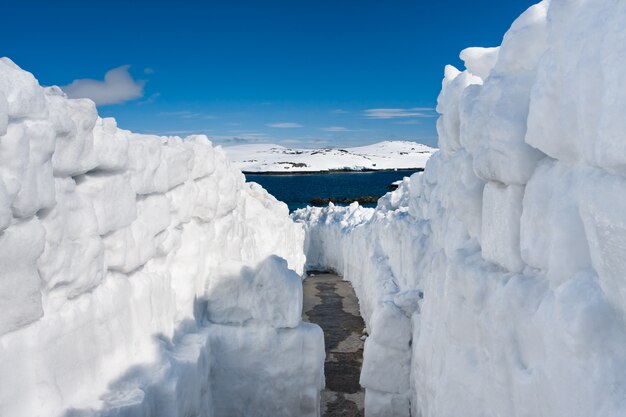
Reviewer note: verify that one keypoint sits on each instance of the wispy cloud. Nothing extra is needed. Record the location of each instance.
(186, 114)
(117, 87)
(398, 113)
(149, 100)
(335, 129)
(242, 137)
(340, 111)
(184, 132)
(408, 122)
(284, 125)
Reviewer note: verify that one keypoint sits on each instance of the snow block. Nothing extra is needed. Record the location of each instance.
(552, 235)
(5, 207)
(110, 145)
(179, 161)
(37, 183)
(271, 294)
(384, 404)
(267, 372)
(204, 156)
(4, 114)
(129, 248)
(22, 92)
(73, 258)
(148, 173)
(182, 200)
(74, 121)
(500, 237)
(385, 369)
(390, 327)
(25, 168)
(602, 205)
(208, 198)
(480, 61)
(112, 197)
(20, 292)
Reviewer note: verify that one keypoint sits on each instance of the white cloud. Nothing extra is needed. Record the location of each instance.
(397, 113)
(117, 87)
(335, 129)
(340, 111)
(284, 125)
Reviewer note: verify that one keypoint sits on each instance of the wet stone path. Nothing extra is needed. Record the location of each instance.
(331, 303)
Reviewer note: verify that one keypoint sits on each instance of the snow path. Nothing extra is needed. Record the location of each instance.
(331, 303)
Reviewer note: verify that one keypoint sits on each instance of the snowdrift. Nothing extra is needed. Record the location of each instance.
(141, 275)
(498, 275)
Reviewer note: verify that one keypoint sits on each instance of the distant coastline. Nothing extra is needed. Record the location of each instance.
(332, 171)
(271, 159)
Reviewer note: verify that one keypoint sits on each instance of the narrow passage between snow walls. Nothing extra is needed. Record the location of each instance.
(493, 283)
(330, 302)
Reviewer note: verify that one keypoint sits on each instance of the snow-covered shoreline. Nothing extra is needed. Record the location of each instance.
(273, 159)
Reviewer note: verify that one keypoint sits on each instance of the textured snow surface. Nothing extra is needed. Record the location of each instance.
(379, 156)
(504, 262)
(140, 275)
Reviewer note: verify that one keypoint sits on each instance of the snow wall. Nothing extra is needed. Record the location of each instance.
(140, 275)
(494, 284)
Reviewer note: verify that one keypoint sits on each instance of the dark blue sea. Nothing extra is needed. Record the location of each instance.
(297, 190)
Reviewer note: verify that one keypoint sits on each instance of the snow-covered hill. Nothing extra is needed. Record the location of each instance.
(379, 156)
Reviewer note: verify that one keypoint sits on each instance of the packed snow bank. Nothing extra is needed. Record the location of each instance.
(378, 156)
(141, 275)
(506, 255)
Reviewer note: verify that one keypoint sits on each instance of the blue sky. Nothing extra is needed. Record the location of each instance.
(299, 72)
